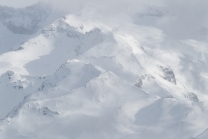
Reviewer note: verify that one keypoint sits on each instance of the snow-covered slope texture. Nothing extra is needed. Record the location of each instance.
(19, 25)
(90, 76)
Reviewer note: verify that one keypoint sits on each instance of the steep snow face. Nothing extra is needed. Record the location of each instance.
(95, 109)
(81, 77)
(70, 75)
(41, 54)
(20, 25)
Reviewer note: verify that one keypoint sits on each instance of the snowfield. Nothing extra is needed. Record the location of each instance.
(86, 76)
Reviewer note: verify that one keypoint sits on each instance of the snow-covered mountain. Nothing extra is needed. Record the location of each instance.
(86, 76)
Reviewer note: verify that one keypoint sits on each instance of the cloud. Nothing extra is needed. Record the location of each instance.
(17, 3)
(185, 17)
(182, 17)
(108, 5)
(181, 20)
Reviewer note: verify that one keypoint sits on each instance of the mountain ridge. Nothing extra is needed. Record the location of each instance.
(78, 77)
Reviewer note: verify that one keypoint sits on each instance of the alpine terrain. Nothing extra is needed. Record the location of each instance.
(101, 72)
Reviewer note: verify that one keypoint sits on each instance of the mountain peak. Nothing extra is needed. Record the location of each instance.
(107, 70)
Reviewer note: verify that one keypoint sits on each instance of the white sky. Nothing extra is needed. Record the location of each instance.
(17, 3)
(183, 15)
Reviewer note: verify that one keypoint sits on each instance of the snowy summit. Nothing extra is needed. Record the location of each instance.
(120, 69)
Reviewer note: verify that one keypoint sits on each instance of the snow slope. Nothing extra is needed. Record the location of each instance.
(80, 77)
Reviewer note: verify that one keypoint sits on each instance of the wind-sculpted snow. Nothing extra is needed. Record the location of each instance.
(81, 77)
(75, 73)
(41, 50)
(90, 104)
(19, 25)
